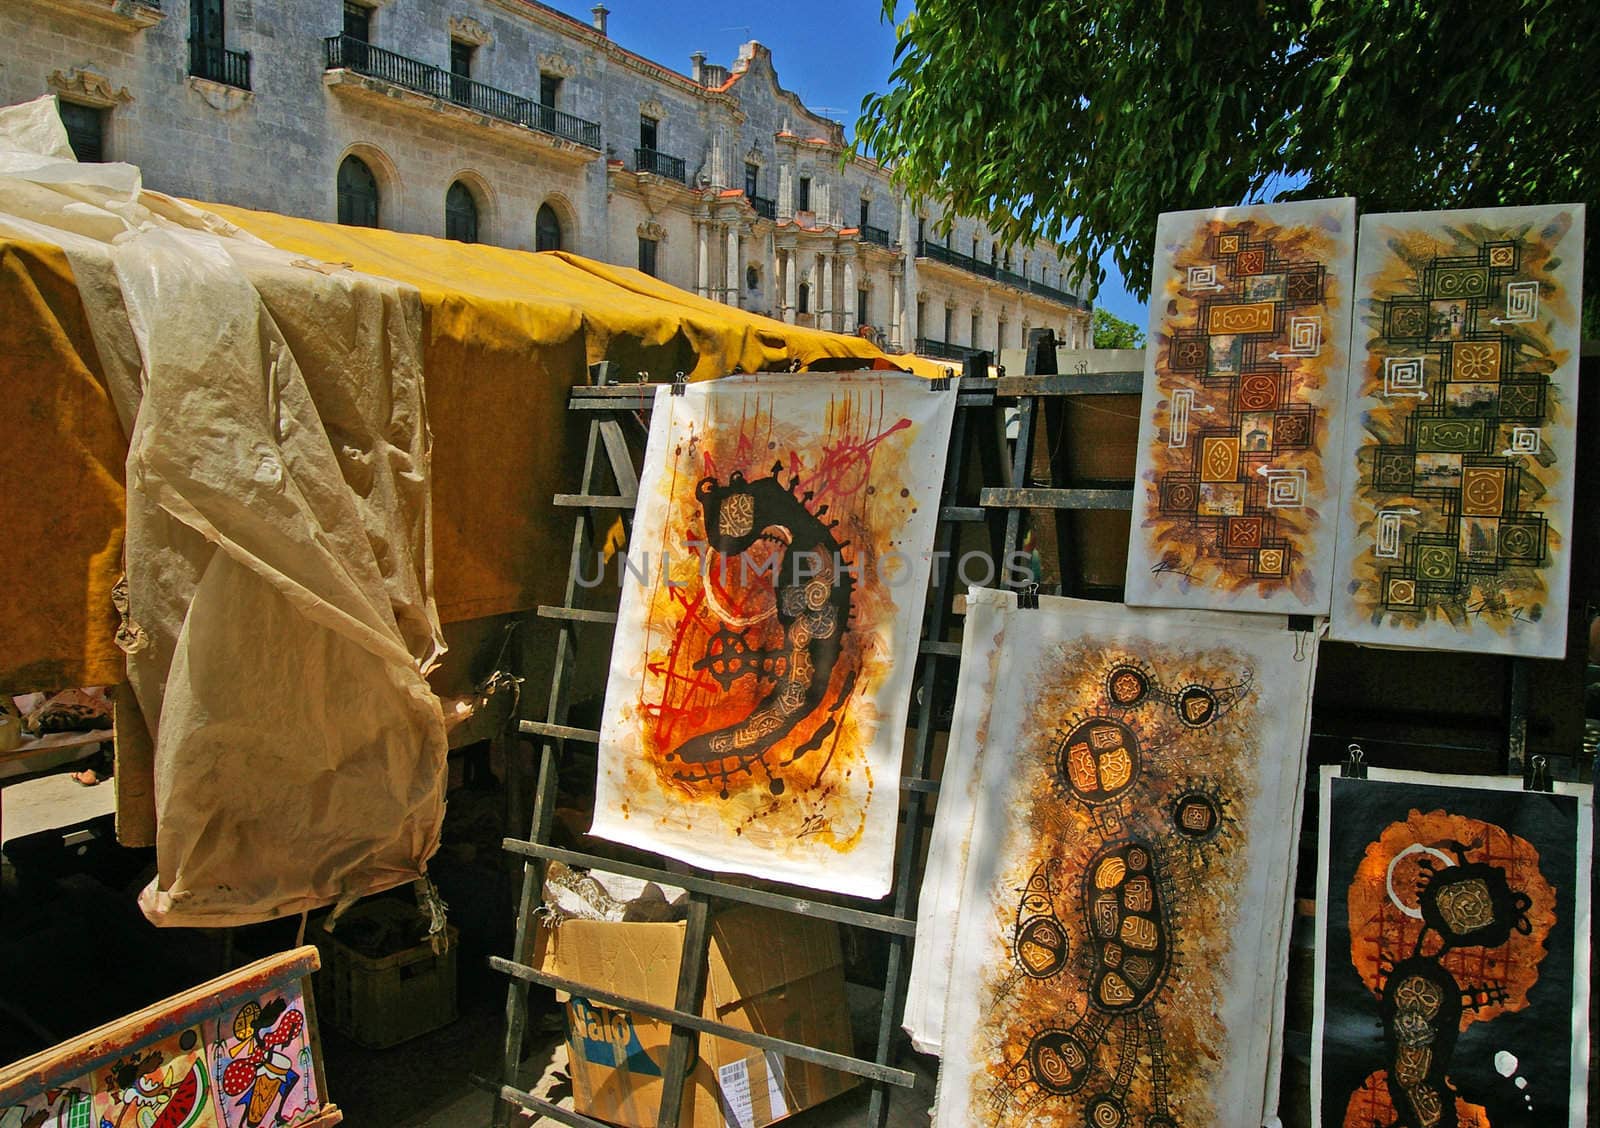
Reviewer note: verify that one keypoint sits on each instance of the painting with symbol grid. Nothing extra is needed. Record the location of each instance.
(1463, 413)
(1451, 986)
(1234, 504)
(771, 603)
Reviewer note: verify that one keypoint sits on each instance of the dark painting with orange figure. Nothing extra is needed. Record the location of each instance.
(1240, 438)
(1121, 933)
(772, 597)
(1453, 941)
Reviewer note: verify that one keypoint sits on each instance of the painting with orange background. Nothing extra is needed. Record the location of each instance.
(772, 598)
(1453, 953)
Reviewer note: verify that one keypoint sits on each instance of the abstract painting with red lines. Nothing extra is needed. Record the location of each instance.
(771, 604)
(1453, 950)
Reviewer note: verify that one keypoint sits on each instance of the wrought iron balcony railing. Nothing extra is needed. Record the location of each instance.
(878, 235)
(659, 164)
(348, 52)
(766, 207)
(942, 350)
(940, 253)
(218, 64)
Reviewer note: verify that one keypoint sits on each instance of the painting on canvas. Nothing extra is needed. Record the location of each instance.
(771, 603)
(1122, 932)
(1460, 440)
(1453, 953)
(1238, 466)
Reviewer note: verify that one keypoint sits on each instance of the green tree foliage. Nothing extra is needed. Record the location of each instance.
(1083, 120)
(1111, 332)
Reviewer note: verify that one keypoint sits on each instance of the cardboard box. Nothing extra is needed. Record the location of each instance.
(773, 973)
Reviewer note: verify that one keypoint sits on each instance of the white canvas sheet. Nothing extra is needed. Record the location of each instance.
(755, 713)
(988, 611)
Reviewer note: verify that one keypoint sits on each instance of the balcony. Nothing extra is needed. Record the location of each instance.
(347, 53)
(941, 350)
(940, 253)
(871, 234)
(659, 164)
(218, 64)
(766, 207)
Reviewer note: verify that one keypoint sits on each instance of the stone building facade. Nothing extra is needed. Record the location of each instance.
(509, 122)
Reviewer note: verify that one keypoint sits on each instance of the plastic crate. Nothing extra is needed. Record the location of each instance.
(380, 1002)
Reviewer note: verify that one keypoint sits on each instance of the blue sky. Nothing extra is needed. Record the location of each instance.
(832, 53)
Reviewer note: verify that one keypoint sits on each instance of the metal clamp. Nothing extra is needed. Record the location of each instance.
(1539, 775)
(1355, 763)
(680, 383)
(1028, 598)
(942, 383)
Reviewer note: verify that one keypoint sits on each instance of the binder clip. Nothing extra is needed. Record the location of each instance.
(999, 372)
(679, 383)
(1538, 778)
(1355, 763)
(942, 383)
(1028, 598)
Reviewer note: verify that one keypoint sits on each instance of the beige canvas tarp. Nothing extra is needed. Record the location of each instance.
(279, 607)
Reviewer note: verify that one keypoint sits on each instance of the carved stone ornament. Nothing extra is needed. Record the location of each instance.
(218, 95)
(88, 88)
(468, 30)
(754, 156)
(552, 63)
(652, 109)
(652, 231)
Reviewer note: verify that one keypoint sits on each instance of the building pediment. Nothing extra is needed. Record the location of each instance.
(468, 30)
(88, 88)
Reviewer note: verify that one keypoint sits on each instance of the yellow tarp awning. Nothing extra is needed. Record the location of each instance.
(506, 335)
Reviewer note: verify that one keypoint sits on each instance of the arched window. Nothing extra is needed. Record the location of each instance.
(805, 297)
(752, 278)
(460, 214)
(547, 229)
(358, 194)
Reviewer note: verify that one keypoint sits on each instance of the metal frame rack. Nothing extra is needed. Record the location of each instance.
(987, 483)
(979, 430)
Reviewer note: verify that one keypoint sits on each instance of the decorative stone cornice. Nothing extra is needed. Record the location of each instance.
(551, 62)
(652, 230)
(754, 156)
(651, 108)
(89, 88)
(468, 30)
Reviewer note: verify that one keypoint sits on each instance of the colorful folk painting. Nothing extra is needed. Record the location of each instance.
(772, 598)
(988, 610)
(1122, 934)
(235, 1054)
(1460, 442)
(1453, 953)
(1238, 467)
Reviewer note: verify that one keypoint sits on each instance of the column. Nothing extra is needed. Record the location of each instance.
(731, 296)
(825, 294)
(849, 293)
(906, 286)
(702, 270)
(791, 283)
(786, 192)
(896, 331)
(773, 294)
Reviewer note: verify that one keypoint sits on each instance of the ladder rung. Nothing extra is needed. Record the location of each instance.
(802, 906)
(594, 501)
(576, 614)
(861, 1067)
(1039, 497)
(563, 732)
